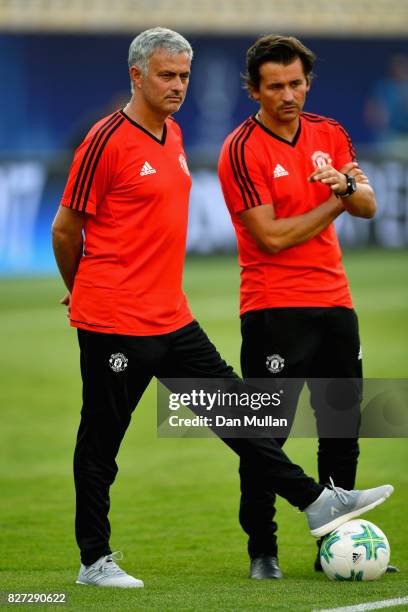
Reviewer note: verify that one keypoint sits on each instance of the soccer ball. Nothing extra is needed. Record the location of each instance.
(358, 550)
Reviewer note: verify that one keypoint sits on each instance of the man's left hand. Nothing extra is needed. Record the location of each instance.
(66, 301)
(330, 177)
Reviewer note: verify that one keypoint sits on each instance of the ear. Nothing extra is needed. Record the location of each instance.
(136, 76)
(254, 94)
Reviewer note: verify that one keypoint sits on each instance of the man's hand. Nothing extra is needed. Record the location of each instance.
(330, 177)
(66, 301)
(335, 179)
(354, 170)
(359, 204)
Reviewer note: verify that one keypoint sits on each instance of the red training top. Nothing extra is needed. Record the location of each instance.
(135, 190)
(258, 167)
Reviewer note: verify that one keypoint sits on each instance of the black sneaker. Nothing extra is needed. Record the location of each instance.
(265, 567)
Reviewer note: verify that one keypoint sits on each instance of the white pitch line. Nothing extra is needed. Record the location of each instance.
(375, 605)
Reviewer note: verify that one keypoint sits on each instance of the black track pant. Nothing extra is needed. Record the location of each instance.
(314, 343)
(109, 398)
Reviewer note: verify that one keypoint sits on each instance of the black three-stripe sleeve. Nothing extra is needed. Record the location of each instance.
(320, 119)
(350, 145)
(249, 193)
(89, 163)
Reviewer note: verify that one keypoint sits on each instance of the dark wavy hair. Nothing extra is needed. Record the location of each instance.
(279, 49)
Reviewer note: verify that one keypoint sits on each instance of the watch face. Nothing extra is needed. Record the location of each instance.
(351, 185)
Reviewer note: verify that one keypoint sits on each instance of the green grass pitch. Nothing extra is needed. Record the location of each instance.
(174, 504)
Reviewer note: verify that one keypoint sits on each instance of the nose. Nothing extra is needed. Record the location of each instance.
(177, 84)
(287, 94)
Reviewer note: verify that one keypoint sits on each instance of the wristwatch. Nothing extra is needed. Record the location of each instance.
(351, 187)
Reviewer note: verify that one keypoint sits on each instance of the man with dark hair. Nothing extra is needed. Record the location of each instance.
(119, 241)
(286, 176)
(280, 49)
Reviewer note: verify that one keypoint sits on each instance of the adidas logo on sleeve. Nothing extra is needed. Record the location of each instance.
(280, 171)
(147, 169)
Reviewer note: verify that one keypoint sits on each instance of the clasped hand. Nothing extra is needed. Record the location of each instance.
(335, 179)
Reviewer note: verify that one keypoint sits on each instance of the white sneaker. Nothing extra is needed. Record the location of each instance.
(106, 573)
(335, 506)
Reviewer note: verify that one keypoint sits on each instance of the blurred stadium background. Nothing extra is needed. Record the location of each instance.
(62, 66)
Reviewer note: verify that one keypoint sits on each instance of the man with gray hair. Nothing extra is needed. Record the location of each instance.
(119, 240)
(143, 46)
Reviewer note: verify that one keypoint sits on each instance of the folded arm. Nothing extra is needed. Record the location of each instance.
(273, 235)
(362, 202)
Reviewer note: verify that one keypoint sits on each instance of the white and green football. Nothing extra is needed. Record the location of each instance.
(358, 550)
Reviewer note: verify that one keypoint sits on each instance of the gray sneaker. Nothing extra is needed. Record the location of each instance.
(335, 506)
(106, 573)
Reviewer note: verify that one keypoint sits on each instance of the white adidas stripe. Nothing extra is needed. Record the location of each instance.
(280, 171)
(147, 169)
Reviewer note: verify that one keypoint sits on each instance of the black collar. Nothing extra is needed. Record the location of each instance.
(291, 143)
(161, 140)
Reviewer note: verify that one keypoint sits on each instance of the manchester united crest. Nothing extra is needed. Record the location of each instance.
(275, 364)
(321, 159)
(118, 362)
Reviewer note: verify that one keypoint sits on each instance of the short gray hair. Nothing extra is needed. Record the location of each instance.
(144, 45)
